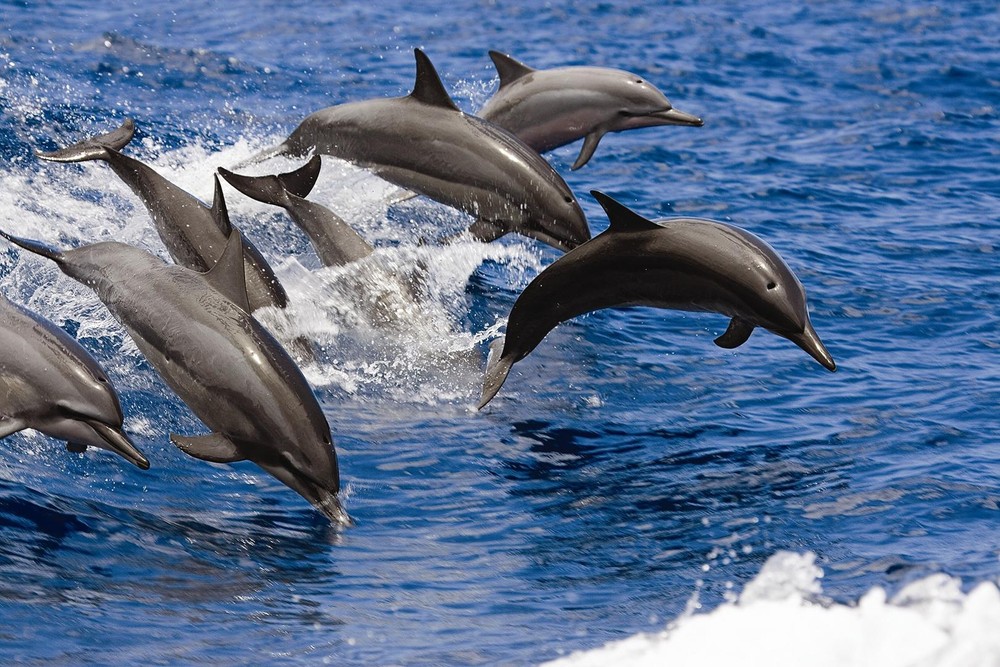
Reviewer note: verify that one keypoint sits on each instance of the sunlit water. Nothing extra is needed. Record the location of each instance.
(628, 467)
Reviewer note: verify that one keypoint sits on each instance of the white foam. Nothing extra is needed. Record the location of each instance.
(781, 619)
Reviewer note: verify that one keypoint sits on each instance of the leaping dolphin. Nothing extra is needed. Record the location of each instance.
(194, 234)
(424, 143)
(681, 263)
(196, 331)
(553, 107)
(334, 240)
(50, 383)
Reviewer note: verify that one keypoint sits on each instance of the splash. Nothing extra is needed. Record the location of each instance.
(781, 618)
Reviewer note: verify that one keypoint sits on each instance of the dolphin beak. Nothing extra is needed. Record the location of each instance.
(118, 443)
(810, 342)
(676, 117)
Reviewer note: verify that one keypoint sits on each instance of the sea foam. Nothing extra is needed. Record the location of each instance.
(781, 618)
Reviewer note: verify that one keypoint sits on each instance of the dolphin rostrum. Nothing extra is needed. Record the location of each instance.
(194, 234)
(196, 331)
(424, 143)
(50, 383)
(553, 107)
(680, 263)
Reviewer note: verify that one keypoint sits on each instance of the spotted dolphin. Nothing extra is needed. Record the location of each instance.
(681, 263)
(194, 234)
(196, 331)
(553, 107)
(424, 143)
(50, 383)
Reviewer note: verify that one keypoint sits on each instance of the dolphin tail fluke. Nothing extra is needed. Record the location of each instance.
(497, 369)
(36, 247)
(275, 189)
(95, 148)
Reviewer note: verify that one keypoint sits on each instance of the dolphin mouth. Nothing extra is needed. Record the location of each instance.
(119, 443)
(672, 117)
(562, 242)
(809, 341)
(319, 496)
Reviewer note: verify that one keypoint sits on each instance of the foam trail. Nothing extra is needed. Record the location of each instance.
(780, 619)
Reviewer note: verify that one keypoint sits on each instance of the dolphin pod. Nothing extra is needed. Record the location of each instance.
(454, 158)
(50, 383)
(681, 263)
(551, 108)
(193, 324)
(196, 331)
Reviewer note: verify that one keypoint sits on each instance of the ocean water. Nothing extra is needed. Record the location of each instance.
(631, 481)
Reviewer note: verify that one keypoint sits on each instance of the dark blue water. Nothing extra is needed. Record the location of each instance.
(628, 463)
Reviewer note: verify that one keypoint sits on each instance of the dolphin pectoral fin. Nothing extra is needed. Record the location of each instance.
(9, 425)
(228, 276)
(497, 369)
(95, 148)
(738, 332)
(214, 447)
(587, 152)
(76, 447)
(487, 230)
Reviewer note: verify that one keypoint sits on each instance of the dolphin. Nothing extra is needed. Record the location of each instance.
(389, 297)
(680, 263)
(553, 107)
(194, 234)
(334, 240)
(50, 383)
(424, 143)
(196, 331)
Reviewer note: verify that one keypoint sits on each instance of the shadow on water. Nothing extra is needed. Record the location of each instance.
(75, 547)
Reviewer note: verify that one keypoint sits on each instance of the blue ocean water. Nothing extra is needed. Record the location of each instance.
(628, 463)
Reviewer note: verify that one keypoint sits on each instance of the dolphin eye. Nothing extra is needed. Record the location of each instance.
(102, 379)
(638, 80)
(772, 285)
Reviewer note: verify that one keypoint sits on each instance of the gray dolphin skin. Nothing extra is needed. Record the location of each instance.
(194, 234)
(196, 331)
(553, 107)
(424, 143)
(334, 240)
(50, 383)
(681, 263)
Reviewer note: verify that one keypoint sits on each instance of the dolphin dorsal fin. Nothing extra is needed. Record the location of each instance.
(228, 276)
(220, 214)
(428, 87)
(509, 69)
(623, 219)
